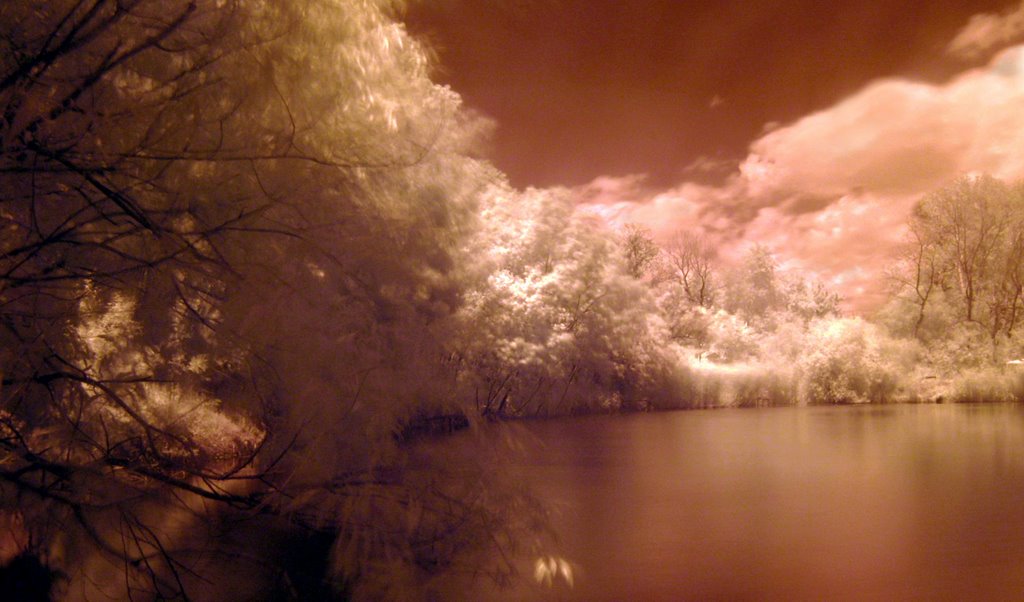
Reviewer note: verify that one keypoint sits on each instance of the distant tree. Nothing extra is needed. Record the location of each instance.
(922, 270)
(691, 262)
(754, 289)
(687, 323)
(638, 249)
(809, 298)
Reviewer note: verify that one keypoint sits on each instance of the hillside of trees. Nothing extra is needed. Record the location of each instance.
(252, 266)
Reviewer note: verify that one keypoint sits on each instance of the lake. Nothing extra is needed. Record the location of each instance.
(897, 502)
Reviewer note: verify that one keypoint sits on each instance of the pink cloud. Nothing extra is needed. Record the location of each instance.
(986, 31)
(897, 136)
(832, 191)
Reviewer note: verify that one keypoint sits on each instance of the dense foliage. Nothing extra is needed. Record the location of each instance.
(229, 266)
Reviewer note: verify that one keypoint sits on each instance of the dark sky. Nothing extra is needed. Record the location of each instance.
(588, 88)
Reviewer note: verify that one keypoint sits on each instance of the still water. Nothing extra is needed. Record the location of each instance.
(847, 503)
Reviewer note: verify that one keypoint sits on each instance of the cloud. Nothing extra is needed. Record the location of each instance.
(897, 136)
(830, 192)
(847, 244)
(613, 189)
(987, 31)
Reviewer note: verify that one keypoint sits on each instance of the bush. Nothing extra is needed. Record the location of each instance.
(764, 389)
(988, 385)
(846, 364)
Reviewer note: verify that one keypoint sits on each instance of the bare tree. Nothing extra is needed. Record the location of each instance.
(923, 270)
(691, 260)
(1009, 299)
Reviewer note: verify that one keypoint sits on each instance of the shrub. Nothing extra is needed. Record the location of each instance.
(988, 385)
(845, 363)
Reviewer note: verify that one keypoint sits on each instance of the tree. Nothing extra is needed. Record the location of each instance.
(971, 216)
(691, 260)
(809, 298)
(558, 325)
(639, 250)
(922, 269)
(227, 275)
(754, 289)
(965, 240)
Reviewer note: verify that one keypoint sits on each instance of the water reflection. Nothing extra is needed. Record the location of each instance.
(865, 503)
